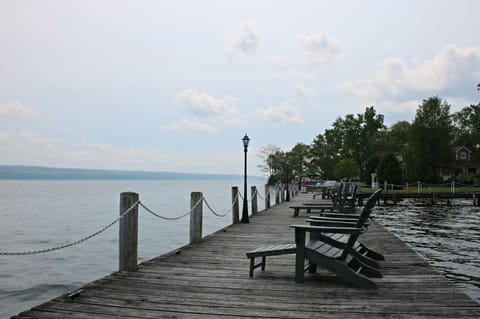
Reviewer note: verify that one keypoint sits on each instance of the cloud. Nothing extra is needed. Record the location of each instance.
(452, 71)
(29, 148)
(16, 110)
(203, 105)
(186, 126)
(319, 48)
(245, 42)
(287, 113)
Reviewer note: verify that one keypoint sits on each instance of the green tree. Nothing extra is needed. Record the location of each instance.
(389, 170)
(467, 127)
(300, 158)
(323, 157)
(265, 154)
(396, 137)
(357, 137)
(429, 149)
(346, 169)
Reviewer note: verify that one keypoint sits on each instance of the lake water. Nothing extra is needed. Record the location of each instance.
(43, 214)
(448, 237)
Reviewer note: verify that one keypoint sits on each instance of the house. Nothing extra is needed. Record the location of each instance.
(466, 163)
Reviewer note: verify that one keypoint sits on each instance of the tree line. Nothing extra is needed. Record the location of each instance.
(358, 145)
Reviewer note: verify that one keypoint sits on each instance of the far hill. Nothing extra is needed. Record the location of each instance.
(49, 173)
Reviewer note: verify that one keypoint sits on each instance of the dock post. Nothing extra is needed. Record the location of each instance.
(196, 216)
(253, 190)
(128, 233)
(277, 195)
(267, 197)
(235, 205)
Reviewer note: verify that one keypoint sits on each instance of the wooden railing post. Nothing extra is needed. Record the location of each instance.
(253, 190)
(267, 197)
(277, 195)
(196, 216)
(235, 205)
(282, 194)
(128, 233)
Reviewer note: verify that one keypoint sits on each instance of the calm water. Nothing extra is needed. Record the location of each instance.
(43, 214)
(448, 237)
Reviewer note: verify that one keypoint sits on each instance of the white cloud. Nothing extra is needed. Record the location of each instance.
(453, 71)
(245, 42)
(319, 48)
(29, 148)
(284, 114)
(204, 105)
(16, 110)
(186, 126)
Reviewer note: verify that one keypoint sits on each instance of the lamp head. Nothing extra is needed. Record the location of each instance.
(245, 140)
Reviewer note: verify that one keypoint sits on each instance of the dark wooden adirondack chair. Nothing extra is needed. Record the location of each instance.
(338, 257)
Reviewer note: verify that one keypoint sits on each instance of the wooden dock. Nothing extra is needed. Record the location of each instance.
(210, 280)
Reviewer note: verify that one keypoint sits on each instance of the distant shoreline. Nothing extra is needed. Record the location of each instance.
(19, 172)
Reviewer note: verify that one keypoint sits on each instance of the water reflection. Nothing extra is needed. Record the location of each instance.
(448, 236)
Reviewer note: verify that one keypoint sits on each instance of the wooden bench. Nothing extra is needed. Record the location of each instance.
(310, 207)
(272, 250)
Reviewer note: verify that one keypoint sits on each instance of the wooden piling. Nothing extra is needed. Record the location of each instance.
(196, 217)
(267, 197)
(253, 190)
(235, 205)
(128, 233)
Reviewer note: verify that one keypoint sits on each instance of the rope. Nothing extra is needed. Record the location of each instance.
(171, 218)
(42, 251)
(220, 215)
(134, 205)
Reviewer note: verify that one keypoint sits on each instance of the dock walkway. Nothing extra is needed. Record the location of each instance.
(210, 280)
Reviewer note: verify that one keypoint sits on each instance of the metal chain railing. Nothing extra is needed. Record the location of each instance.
(47, 250)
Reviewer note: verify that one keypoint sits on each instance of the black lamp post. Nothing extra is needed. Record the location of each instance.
(245, 140)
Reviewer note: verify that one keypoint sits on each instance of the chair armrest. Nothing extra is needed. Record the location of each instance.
(331, 223)
(333, 219)
(326, 229)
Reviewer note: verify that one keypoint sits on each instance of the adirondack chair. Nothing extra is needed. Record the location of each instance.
(338, 257)
(343, 201)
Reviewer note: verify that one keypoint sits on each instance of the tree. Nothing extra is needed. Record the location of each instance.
(389, 170)
(265, 154)
(396, 137)
(300, 157)
(346, 169)
(323, 157)
(429, 149)
(357, 137)
(467, 127)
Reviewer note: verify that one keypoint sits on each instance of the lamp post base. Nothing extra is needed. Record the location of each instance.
(245, 219)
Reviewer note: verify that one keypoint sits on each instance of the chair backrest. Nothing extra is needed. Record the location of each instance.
(337, 194)
(364, 215)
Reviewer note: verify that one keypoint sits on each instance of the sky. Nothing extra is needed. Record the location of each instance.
(175, 85)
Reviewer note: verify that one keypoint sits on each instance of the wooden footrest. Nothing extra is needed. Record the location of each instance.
(272, 250)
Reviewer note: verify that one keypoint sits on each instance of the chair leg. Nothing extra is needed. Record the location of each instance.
(252, 266)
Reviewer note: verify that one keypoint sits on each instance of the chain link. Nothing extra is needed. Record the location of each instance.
(47, 250)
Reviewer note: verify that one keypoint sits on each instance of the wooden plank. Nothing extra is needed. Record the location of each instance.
(209, 279)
